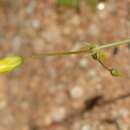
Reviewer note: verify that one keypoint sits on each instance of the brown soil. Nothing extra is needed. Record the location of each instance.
(63, 93)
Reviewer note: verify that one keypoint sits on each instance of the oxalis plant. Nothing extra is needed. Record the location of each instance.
(10, 63)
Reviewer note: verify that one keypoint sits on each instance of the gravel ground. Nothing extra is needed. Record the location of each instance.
(64, 93)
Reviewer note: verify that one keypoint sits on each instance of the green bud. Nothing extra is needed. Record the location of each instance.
(100, 56)
(115, 72)
(9, 63)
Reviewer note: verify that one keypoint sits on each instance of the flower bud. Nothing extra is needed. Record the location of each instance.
(9, 63)
(115, 72)
(100, 56)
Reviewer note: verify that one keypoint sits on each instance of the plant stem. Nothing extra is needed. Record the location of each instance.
(61, 53)
(105, 67)
(85, 50)
(114, 44)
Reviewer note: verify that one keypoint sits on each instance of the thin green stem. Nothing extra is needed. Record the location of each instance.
(114, 44)
(63, 53)
(106, 67)
(89, 51)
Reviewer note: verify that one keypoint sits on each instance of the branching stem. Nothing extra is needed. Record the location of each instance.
(86, 50)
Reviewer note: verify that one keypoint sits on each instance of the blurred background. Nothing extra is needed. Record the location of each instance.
(69, 92)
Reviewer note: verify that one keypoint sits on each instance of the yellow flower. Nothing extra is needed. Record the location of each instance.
(9, 63)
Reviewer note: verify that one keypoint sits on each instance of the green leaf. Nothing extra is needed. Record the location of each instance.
(10, 63)
(92, 3)
(72, 3)
(116, 72)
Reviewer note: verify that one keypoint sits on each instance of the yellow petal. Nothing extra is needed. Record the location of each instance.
(9, 63)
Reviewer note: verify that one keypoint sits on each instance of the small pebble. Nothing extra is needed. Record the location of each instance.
(86, 127)
(101, 6)
(124, 112)
(58, 114)
(83, 63)
(76, 92)
(92, 74)
(93, 30)
(36, 24)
